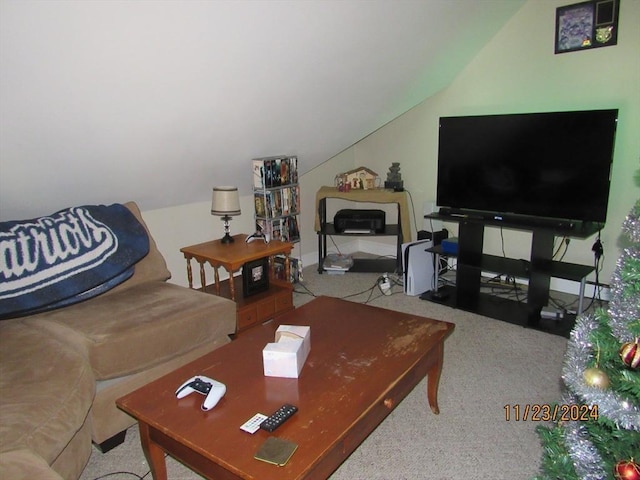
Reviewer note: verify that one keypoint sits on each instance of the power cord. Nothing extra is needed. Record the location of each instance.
(119, 473)
(385, 284)
(597, 249)
(564, 243)
(307, 292)
(134, 475)
(384, 279)
(598, 255)
(413, 211)
(335, 245)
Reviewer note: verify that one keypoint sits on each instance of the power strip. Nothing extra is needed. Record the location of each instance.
(385, 284)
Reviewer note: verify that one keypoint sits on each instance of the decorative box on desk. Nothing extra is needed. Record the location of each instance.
(253, 309)
(401, 230)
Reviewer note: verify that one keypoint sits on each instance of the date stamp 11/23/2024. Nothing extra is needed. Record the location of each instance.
(547, 412)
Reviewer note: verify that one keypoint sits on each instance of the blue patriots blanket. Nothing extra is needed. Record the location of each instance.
(67, 257)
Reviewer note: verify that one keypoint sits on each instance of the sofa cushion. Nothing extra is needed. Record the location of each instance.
(140, 327)
(47, 391)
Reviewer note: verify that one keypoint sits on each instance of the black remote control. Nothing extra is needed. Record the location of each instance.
(278, 417)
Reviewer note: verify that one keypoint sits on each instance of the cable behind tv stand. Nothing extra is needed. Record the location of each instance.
(539, 269)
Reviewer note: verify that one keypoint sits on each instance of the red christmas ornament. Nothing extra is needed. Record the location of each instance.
(630, 354)
(626, 470)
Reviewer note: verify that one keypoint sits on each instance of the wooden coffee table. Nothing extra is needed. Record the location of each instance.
(364, 360)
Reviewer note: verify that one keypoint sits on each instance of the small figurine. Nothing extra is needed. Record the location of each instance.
(394, 178)
(361, 178)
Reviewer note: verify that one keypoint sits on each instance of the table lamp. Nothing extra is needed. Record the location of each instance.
(225, 203)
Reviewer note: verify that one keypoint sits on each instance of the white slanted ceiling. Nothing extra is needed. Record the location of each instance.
(157, 101)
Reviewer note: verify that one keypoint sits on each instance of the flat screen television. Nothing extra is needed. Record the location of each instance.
(527, 167)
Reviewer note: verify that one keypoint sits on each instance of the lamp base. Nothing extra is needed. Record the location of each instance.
(227, 238)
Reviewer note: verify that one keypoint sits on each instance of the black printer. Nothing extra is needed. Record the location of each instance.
(359, 221)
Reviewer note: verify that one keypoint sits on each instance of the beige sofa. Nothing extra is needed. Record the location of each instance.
(62, 370)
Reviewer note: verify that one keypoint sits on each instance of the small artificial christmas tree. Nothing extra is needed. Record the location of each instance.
(596, 434)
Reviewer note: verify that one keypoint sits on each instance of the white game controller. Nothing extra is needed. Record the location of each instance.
(213, 390)
(258, 236)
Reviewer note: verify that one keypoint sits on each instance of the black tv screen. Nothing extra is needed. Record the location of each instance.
(553, 165)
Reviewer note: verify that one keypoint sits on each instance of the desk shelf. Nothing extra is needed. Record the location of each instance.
(398, 230)
(380, 265)
(389, 231)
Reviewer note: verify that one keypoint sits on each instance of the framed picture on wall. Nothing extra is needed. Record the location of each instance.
(587, 25)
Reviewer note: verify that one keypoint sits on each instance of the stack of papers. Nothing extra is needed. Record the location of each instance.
(337, 264)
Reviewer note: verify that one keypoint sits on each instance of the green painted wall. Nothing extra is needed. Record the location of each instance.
(517, 71)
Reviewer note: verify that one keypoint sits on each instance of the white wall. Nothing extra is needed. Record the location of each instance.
(103, 100)
(177, 227)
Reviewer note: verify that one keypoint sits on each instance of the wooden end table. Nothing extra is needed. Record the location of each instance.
(256, 308)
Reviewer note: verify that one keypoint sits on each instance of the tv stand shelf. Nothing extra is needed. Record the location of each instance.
(539, 270)
(521, 268)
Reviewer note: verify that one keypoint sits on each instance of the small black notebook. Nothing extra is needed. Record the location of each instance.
(276, 450)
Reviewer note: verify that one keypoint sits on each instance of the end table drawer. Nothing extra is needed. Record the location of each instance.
(284, 302)
(266, 308)
(263, 309)
(246, 317)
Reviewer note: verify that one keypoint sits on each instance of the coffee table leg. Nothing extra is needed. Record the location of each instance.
(433, 379)
(153, 453)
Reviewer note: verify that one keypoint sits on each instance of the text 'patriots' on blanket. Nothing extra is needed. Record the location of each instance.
(66, 257)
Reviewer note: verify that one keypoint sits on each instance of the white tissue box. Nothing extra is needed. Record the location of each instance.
(286, 357)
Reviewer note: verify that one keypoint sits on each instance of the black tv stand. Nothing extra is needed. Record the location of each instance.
(539, 269)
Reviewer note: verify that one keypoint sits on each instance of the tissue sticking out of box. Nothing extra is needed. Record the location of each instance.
(283, 336)
(286, 357)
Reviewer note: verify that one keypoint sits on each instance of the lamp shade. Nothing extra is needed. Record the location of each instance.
(225, 202)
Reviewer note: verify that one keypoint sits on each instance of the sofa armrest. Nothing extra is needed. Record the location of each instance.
(152, 267)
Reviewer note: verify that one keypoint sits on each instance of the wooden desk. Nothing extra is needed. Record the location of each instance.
(232, 256)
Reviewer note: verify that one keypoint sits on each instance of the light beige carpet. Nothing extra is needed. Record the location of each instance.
(488, 365)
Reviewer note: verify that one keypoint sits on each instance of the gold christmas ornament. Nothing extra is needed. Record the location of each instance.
(630, 354)
(594, 377)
